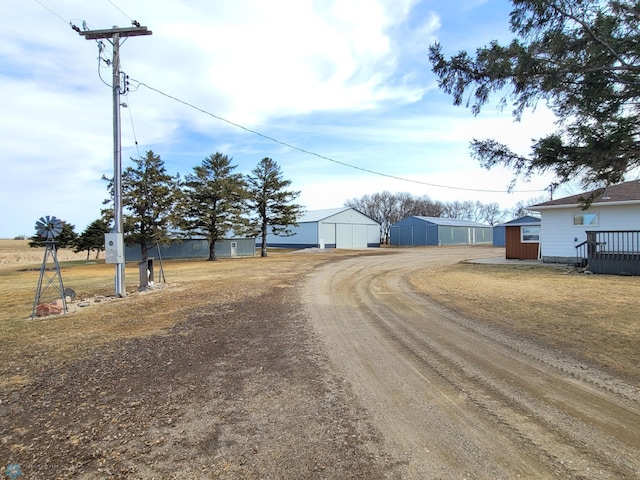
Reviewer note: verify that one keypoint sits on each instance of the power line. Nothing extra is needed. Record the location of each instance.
(102, 60)
(133, 128)
(267, 137)
(51, 11)
(120, 10)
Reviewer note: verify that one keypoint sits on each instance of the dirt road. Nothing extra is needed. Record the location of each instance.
(453, 398)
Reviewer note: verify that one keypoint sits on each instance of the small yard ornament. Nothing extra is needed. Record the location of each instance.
(49, 228)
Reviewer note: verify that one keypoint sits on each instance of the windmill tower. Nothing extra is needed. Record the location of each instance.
(49, 228)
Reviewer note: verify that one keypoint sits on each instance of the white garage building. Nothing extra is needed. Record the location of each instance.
(333, 228)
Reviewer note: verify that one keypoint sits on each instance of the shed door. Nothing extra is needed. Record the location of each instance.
(344, 236)
(359, 236)
(234, 249)
(351, 236)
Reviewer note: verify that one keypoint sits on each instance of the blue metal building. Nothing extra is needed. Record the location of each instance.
(425, 231)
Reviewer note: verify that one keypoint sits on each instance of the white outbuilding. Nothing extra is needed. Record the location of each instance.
(333, 228)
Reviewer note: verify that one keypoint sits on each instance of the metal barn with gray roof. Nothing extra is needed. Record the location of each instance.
(425, 231)
(332, 228)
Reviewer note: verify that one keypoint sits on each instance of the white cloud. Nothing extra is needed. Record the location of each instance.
(349, 80)
(285, 57)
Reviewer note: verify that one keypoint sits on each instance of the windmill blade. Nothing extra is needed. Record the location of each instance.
(41, 227)
(49, 227)
(56, 226)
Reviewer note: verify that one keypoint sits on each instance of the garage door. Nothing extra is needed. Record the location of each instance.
(351, 236)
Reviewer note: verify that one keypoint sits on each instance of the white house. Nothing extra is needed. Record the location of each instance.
(333, 228)
(564, 222)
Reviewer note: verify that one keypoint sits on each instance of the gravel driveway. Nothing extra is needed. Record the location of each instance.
(456, 399)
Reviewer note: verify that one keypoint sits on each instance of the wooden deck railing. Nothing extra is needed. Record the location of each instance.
(612, 252)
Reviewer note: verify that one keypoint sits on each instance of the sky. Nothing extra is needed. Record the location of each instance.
(339, 93)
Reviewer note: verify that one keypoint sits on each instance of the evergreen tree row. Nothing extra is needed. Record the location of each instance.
(213, 202)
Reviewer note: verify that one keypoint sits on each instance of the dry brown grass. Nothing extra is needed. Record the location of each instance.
(34, 344)
(596, 317)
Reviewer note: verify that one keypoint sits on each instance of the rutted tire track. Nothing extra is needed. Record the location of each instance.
(453, 401)
(548, 424)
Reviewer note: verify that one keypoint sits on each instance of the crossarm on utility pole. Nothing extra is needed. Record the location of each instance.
(109, 33)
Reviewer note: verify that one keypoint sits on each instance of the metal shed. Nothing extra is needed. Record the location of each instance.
(196, 248)
(423, 231)
(332, 228)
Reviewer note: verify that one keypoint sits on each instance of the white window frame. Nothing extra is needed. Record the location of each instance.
(530, 234)
(594, 223)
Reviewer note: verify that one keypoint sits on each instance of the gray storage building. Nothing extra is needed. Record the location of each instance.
(195, 248)
(333, 228)
(423, 231)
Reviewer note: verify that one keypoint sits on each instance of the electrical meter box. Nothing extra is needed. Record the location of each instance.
(113, 248)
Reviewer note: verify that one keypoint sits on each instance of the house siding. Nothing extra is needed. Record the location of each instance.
(559, 236)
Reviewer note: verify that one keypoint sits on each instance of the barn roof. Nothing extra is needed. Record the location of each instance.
(450, 222)
(627, 192)
(319, 215)
(524, 220)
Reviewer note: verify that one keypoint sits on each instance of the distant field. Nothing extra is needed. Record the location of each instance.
(18, 252)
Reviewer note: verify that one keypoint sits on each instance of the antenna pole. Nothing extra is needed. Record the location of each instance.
(115, 34)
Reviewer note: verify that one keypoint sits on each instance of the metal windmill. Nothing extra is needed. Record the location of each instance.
(49, 228)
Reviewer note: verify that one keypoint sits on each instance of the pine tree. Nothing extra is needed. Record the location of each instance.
(149, 195)
(92, 238)
(214, 201)
(271, 202)
(581, 58)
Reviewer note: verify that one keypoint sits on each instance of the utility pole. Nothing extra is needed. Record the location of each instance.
(114, 35)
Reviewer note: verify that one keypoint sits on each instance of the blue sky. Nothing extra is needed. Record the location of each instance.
(347, 80)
